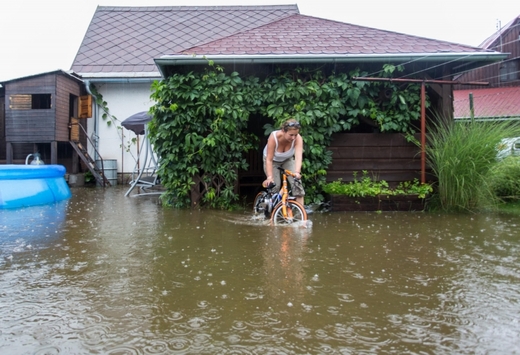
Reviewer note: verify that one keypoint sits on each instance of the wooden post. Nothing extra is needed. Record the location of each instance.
(471, 108)
(54, 152)
(9, 153)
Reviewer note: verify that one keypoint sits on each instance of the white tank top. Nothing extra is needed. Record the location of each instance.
(280, 157)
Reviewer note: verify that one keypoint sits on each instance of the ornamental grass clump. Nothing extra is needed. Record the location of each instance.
(462, 156)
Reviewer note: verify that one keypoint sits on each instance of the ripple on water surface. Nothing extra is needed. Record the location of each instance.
(126, 276)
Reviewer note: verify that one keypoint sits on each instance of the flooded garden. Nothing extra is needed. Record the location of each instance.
(102, 273)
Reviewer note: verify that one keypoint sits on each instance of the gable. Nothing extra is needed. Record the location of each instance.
(496, 40)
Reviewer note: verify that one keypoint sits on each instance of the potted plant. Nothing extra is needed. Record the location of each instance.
(369, 194)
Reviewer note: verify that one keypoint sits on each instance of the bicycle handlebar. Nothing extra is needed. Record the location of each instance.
(286, 172)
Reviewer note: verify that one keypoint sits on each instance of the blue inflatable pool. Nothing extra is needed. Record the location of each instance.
(31, 185)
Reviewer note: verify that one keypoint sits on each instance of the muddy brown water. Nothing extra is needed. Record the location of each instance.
(108, 274)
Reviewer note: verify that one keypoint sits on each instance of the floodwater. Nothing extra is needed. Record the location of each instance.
(105, 274)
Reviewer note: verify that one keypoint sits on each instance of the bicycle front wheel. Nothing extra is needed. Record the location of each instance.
(295, 213)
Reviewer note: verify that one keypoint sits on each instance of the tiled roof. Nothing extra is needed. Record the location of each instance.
(487, 103)
(69, 74)
(126, 39)
(299, 34)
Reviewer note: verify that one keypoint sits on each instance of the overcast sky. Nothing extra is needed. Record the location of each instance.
(39, 36)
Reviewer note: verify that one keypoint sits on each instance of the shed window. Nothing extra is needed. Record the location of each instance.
(30, 102)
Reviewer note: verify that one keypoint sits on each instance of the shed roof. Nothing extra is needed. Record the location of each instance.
(68, 74)
(300, 34)
(502, 102)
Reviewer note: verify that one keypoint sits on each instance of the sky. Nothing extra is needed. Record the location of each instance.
(40, 36)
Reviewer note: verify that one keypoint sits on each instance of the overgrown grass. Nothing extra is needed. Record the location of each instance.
(462, 155)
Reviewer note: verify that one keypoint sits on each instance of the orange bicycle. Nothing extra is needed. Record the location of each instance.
(281, 207)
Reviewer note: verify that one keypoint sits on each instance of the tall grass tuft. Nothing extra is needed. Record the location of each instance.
(462, 156)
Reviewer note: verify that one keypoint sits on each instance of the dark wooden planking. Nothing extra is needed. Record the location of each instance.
(384, 156)
(44, 125)
(509, 43)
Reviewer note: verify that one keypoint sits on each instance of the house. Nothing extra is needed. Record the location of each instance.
(126, 48)
(501, 99)
(117, 58)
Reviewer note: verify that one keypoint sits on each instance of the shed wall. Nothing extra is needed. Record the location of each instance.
(385, 156)
(65, 87)
(508, 43)
(42, 125)
(31, 126)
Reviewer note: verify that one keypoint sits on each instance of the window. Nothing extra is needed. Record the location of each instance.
(30, 102)
(509, 71)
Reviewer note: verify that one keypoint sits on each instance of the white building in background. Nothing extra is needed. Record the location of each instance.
(118, 51)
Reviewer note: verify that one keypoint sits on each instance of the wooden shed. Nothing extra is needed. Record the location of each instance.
(38, 115)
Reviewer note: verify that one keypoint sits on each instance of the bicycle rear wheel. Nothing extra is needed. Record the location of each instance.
(259, 198)
(262, 204)
(295, 213)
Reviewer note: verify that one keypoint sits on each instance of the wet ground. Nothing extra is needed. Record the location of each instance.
(105, 274)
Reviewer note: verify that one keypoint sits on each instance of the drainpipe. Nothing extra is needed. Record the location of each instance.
(94, 137)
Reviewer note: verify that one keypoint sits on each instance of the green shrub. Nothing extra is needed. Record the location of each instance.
(368, 186)
(505, 178)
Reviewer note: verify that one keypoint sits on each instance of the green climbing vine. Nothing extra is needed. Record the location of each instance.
(200, 121)
(199, 131)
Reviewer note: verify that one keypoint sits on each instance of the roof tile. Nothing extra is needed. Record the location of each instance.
(299, 34)
(117, 31)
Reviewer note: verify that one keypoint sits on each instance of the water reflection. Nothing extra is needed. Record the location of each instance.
(118, 275)
(23, 229)
(284, 276)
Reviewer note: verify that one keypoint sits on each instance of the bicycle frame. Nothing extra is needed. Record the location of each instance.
(285, 191)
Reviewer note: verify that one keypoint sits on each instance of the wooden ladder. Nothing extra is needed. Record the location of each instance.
(97, 172)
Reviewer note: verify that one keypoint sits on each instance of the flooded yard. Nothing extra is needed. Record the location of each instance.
(108, 274)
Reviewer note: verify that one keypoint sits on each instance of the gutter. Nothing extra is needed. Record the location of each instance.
(120, 80)
(121, 77)
(185, 59)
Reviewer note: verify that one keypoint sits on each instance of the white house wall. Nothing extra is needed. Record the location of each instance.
(123, 100)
